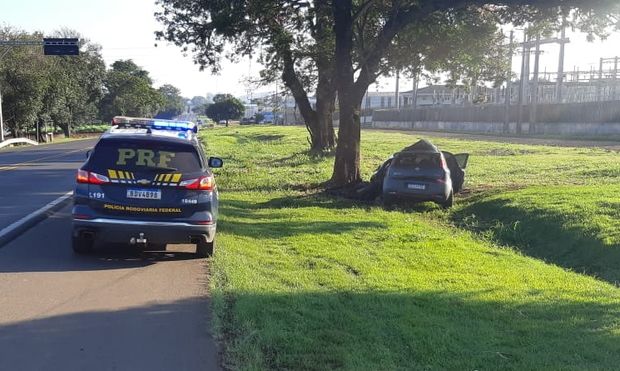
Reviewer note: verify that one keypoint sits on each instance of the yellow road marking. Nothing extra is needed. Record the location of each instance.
(15, 166)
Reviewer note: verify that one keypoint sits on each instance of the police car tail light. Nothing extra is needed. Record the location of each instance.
(89, 177)
(204, 183)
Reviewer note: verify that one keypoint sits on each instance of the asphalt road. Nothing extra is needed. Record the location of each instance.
(31, 177)
(113, 310)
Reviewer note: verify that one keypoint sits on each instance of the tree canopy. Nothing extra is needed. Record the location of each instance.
(225, 107)
(347, 44)
(58, 90)
(173, 102)
(129, 91)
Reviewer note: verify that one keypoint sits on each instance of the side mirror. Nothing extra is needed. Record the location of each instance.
(88, 153)
(215, 162)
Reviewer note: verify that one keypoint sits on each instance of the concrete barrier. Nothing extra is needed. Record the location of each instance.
(561, 129)
(10, 142)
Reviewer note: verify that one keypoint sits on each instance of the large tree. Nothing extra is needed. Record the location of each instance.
(174, 103)
(356, 69)
(38, 89)
(23, 80)
(75, 85)
(357, 39)
(129, 91)
(225, 107)
(292, 39)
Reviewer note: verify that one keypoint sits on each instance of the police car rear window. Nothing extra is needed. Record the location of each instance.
(144, 156)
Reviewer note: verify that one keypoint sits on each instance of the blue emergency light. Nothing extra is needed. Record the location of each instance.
(154, 124)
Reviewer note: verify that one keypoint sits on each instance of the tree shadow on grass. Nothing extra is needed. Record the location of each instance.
(542, 234)
(270, 219)
(417, 330)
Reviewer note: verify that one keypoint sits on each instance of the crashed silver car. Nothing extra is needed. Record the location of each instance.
(419, 173)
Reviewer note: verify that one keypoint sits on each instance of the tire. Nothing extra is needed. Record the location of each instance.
(82, 245)
(205, 249)
(449, 202)
(388, 202)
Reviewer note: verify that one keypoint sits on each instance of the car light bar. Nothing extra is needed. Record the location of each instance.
(154, 124)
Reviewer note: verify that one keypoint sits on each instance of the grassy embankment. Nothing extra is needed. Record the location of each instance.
(303, 281)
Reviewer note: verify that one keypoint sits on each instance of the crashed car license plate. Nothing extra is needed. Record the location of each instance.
(416, 186)
(147, 194)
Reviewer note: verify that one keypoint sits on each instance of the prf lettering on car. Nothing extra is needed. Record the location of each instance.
(144, 157)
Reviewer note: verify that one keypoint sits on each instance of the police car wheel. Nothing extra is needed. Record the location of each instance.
(205, 249)
(82, 245)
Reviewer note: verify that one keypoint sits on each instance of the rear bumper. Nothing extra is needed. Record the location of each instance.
(110, 230)
(417, 197)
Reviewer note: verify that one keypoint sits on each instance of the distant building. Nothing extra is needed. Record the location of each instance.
(250, 110)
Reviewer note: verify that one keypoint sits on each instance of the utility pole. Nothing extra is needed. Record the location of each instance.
(275, 106)
(560, 80)
(535, 93)
(599, 87)
(615, 78)
(508, 84)
(397, 95)
(414, 97)
(524, 75)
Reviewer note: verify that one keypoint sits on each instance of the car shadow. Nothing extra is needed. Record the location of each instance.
(47, 248)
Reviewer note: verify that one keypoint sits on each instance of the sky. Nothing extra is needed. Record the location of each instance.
(125, 30)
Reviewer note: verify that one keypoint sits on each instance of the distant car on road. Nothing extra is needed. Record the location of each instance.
(423, 173)
(148, 183)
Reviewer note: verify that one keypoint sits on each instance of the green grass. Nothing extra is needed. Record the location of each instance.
(577, 227)
(305, 281)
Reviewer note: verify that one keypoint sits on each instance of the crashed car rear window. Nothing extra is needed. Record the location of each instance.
(144, 156)
(421, 160)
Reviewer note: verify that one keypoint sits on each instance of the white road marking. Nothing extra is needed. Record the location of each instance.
(36, 214)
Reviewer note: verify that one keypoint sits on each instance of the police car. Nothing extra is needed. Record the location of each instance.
(148, 183)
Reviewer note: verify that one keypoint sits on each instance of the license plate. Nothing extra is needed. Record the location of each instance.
(416, 186)
(147, 194)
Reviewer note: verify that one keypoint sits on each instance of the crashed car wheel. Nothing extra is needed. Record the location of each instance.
(205, 249)
(449, 202)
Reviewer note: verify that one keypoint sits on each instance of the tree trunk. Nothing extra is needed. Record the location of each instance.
(66, 130)
(319, 121)
(347, 163)
(325, 102)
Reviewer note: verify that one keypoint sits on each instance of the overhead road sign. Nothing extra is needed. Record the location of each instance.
(61, 46)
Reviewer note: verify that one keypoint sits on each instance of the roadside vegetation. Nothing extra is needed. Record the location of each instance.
(520, 275)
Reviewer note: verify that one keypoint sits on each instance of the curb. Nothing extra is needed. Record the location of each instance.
(9, 233)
